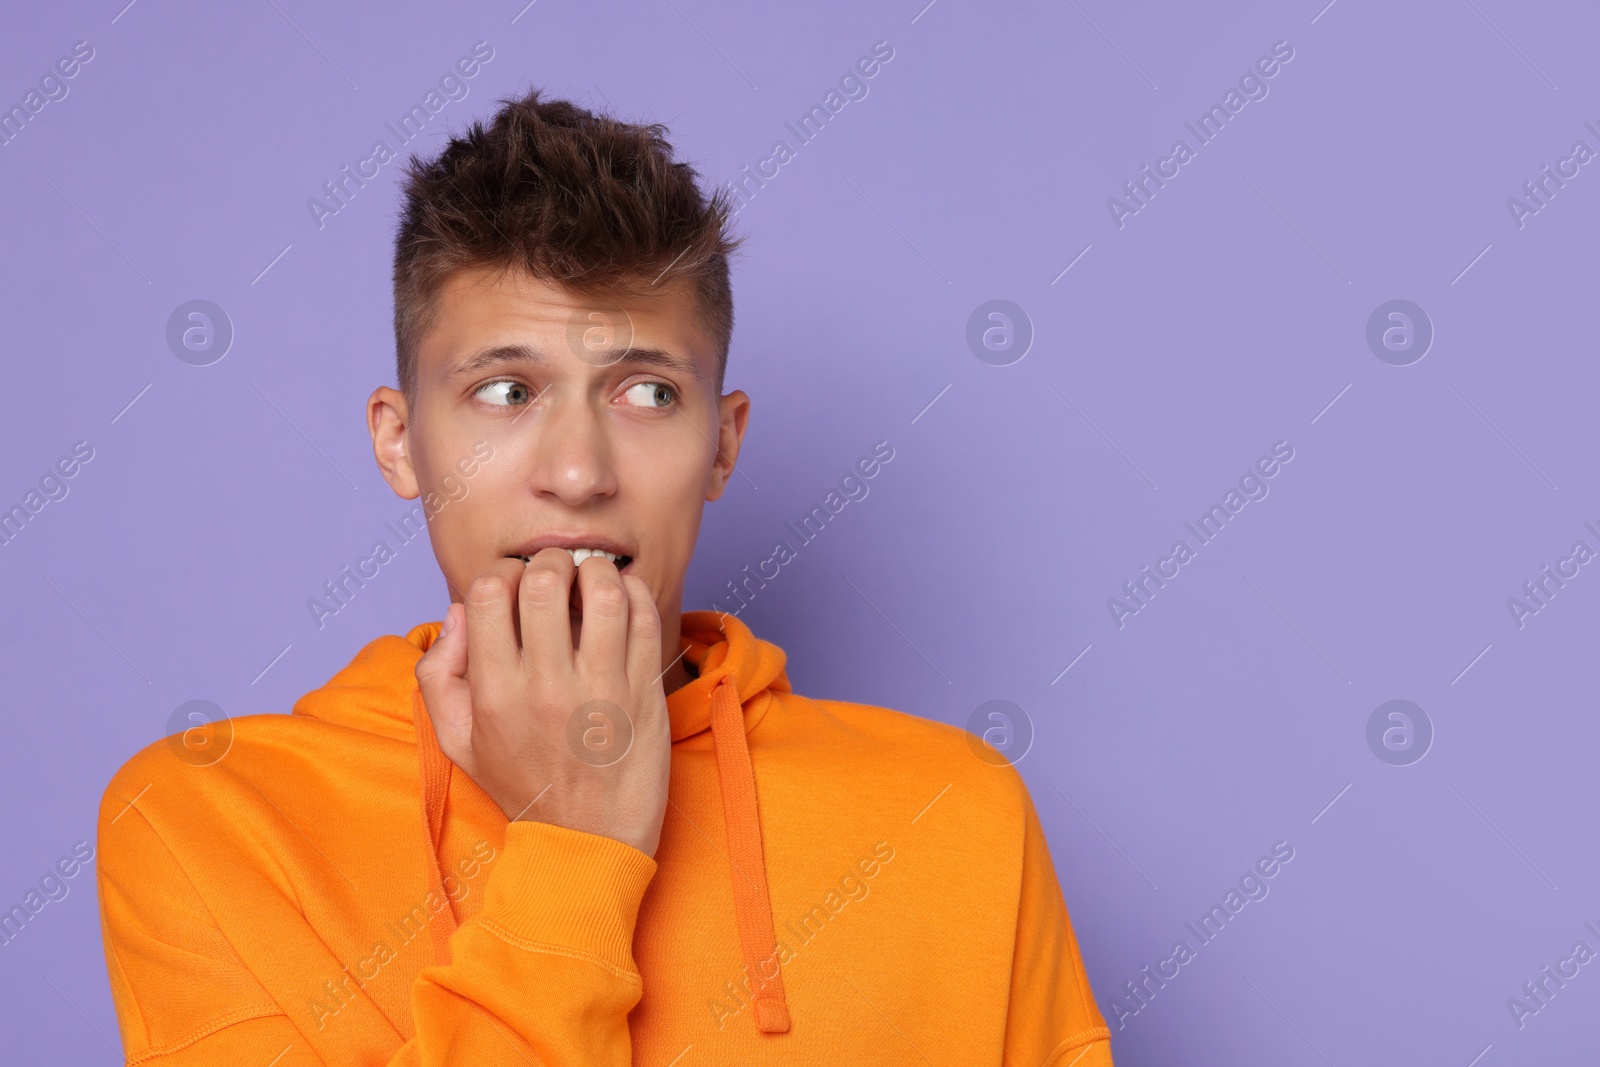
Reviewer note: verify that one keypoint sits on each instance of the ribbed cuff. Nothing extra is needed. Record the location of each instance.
(570, 889)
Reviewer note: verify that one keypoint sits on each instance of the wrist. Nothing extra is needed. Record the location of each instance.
(571, 889)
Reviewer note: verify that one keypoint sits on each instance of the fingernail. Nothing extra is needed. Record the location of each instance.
(449, 621)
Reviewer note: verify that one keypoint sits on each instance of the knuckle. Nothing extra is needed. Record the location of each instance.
(646, 617)
(646, 623)
(606, 599)
(541, 584)
(486, 589)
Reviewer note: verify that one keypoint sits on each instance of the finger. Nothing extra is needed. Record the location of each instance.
(446, 658)
(603, 640)
(644, 636)
(442, 678)
(543, 600)
(493, 656)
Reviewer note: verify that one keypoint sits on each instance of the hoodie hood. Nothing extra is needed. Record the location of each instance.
(736, 675)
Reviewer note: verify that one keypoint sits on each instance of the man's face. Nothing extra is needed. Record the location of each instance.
(599, 418)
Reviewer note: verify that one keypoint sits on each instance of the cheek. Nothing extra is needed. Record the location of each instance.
(484, 505)
(666, 463)
(468, 525)
(665, 495)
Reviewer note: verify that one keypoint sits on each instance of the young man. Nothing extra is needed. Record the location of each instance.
(573, 825)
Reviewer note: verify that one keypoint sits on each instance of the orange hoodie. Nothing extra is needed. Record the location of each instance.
(332, 891)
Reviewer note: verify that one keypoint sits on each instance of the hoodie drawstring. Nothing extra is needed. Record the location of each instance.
(435, 769)
(752, 901)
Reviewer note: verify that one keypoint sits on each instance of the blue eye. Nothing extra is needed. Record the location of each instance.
(505, 393)
(651, 394)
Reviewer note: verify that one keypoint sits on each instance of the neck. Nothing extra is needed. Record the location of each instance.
(675, 667)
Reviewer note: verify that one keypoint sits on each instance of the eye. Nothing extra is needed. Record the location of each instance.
(505, 393)
(651, 395)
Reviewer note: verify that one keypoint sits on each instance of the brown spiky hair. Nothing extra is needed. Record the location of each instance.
(584, 200)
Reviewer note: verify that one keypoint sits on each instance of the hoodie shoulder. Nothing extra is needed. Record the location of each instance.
(363, 711)
(905, 754)
(207, 777)
(885, 726)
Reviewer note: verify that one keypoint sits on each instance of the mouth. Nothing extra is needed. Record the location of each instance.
(580, 554)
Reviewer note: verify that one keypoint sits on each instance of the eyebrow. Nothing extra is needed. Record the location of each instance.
(500, 355)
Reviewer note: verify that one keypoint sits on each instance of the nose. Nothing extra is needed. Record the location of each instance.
(573, 458)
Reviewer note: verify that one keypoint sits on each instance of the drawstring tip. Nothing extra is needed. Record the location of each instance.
(772, 1016)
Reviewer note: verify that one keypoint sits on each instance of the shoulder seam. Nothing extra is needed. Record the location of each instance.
(1081, 1040)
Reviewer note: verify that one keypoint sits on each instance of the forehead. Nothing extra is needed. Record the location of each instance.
(479, 308)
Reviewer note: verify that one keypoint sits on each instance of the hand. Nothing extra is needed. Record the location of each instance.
(571, 734)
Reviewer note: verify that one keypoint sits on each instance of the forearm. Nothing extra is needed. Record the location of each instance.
(543, 974)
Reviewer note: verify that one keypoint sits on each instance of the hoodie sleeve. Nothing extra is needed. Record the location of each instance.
(546, 968)
(543, 974)
(1052, 1020)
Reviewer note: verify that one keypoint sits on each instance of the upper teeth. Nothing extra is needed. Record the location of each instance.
(581, 554)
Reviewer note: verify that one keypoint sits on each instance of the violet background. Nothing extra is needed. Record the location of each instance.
(1225, 316)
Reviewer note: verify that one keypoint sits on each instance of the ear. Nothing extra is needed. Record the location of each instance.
(734, 414)
(388, 420)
